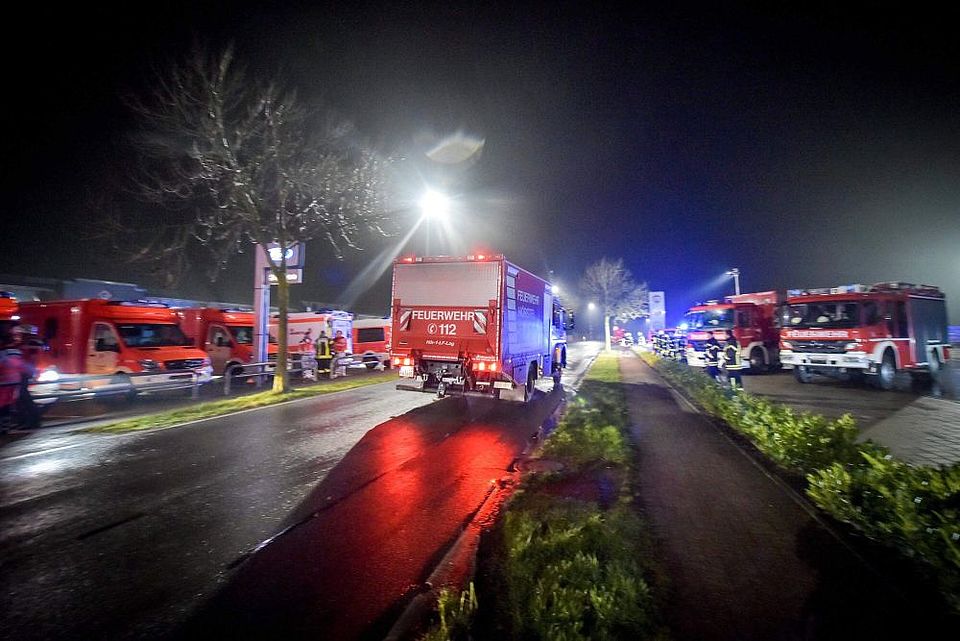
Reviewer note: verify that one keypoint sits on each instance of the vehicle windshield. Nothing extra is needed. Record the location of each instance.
(151, 335)
(243, 334)
(709, 319)
(835, 314)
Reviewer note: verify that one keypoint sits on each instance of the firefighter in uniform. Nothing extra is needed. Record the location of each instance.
(324, 356)
(711, 357)
(678, 347)
(733, 362)
(339, 355)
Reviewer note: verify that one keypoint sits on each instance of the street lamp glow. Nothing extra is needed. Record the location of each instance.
(434, 205)
(735, 272)
(555, 290)
(591, 306)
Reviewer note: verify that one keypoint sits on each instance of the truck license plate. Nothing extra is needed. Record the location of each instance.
(406, 371)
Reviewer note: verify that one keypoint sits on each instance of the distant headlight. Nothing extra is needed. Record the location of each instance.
(149, 364)
(49, 376)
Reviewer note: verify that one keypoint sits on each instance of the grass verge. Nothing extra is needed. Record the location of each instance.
(570, 558)
(230, 405)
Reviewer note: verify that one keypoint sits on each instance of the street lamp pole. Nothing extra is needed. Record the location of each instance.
(735, 272)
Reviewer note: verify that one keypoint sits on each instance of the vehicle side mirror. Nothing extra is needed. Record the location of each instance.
(571, 320)
(220, 341)
(101, 345)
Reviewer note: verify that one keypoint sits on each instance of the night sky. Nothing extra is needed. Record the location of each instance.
(808, 146)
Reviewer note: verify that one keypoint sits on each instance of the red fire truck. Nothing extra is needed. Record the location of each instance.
(478, 323)
(371, 341)
(876, 330)
(9, 310)
(114, 338)
(752, 318)
(226, 335)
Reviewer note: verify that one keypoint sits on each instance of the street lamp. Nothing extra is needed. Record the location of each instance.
(735, 272)
(590, 307)
(433, 206)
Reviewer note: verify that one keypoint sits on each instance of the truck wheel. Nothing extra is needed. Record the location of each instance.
(371, 364)
(934, 366)
(802, 373)
(757, 362)
(886, 377)
(530, 386)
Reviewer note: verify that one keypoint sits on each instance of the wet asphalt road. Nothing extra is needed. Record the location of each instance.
(118, 537)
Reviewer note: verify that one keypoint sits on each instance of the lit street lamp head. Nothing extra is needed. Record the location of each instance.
(434, 205)
(735, 272)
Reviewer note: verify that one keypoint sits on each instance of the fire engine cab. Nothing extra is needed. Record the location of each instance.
(750, 318)
(875, 330)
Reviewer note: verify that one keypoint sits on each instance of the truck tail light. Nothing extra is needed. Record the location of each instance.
(484, 365)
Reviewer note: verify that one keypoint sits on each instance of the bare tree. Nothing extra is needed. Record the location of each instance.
(611, 287)
(237, 162)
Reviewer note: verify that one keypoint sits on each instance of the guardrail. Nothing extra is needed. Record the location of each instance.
(97, 386)
(259, 371)
(80, 387)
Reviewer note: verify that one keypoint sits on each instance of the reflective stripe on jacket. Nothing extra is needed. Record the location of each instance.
(732, 358)
(711, 353)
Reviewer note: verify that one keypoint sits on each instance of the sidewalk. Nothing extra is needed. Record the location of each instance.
(925, 432)
(745, 557)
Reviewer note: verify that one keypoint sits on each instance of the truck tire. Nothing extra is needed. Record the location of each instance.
(886, 375)
(934, 366)
(531, 385)
(802, 373)
(757, 362)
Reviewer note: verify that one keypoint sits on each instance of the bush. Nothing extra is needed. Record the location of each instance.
(915, 509)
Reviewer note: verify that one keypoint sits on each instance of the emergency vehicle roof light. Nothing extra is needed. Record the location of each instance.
(897, 286)
(7, 295)
(138, 303)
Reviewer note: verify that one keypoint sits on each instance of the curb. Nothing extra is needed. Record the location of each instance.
(463, 551)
